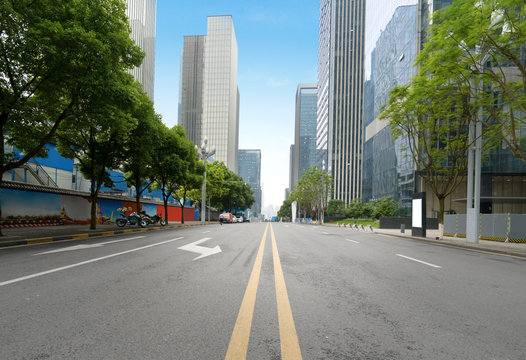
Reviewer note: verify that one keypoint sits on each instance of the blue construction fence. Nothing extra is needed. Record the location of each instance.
(496, 227)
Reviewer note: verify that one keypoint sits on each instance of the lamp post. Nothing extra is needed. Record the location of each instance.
(204, 154)
(474, 161)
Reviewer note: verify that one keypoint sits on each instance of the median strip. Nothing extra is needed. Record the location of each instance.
(290, 348)
(237, 349)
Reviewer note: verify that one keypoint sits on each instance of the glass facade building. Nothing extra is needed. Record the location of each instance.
(395, 31)
(141, 15)
(250, 170)
(340, 94)
(391, 44)
(305, 130)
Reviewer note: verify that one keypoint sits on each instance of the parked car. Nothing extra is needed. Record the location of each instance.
(240, 219)
(226, 218)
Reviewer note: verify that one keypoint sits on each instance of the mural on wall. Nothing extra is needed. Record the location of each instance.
(34, 208)
(107, 210)
(75, 210)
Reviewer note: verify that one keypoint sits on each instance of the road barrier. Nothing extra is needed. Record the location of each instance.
(495, 227)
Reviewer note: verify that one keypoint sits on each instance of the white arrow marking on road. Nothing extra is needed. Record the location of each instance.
(206, 232)
(27, 277)
(353, 241)
(87, 246)
(204, 251)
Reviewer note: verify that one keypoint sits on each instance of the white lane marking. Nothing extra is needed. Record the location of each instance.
(204, 251)
(87, 246)
(27, 277)
(325, 233)
(420, 261)
(206, 232)
(353, 241)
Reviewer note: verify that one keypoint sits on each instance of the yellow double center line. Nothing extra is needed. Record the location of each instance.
(290, 349)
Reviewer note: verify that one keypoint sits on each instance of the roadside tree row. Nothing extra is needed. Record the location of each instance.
(64, 77)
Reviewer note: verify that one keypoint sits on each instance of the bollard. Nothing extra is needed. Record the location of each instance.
(402, 228)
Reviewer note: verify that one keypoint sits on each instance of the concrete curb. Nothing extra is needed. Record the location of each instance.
(443, 243)
(77, 236)
(458, 246)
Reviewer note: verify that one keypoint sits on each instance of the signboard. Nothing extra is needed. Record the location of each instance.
(419, 215)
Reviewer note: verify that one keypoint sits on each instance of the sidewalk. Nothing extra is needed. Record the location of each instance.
(42, 234)
(513, 249)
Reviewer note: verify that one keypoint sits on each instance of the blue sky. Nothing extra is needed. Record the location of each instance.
(278, 47)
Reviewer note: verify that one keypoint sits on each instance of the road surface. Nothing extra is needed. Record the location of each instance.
(259, 291)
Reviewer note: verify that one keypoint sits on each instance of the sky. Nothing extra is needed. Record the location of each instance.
(278, 49)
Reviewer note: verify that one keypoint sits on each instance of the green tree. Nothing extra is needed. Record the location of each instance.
(430, 118)
(97, 136)
(191, 177)
(356, 209)
(483, 42)
(226, 189)
(51, 52)
(312, 192)
(140, 145)
(335, 207)
(384, 206)
(285, 211)
(167, 162)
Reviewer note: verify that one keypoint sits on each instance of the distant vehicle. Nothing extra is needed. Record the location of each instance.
(226, 218)
(240, 219)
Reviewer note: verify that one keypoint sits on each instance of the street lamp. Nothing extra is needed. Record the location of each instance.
(204, 154)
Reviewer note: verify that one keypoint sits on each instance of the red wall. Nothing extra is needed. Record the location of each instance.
(174, 213)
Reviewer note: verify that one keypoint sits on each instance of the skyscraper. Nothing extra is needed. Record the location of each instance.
(396, 31)
(391, 45)
(340, 94)
(291, 167)
(305, 130)
(191, 89)
(220, 91)
(250, 171)
(141, 15)
(209, 96)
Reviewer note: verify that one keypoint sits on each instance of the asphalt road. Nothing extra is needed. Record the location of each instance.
(260, 292)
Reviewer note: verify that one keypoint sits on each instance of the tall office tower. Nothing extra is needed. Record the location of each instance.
(391, 44)
(220, 119)
(291, 168)
(141, 15)
(305, 129)
(191, 87)
(340, 94)
(250, 170)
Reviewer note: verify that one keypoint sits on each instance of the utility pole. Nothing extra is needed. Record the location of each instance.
(204, 154)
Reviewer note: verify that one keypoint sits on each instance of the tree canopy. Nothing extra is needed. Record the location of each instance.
(312, 193)
(481, 45)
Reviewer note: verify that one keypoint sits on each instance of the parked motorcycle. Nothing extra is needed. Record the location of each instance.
(132, 219)
(153, 219)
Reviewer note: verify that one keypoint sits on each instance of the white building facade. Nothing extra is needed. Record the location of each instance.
(142, 15)
(340, 94)
(220, 92)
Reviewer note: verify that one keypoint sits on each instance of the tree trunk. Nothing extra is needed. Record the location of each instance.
(1, 222)
(165, 201)
(182, 208)
(93, 222)
(441, 201)
(2, 165)
(138, 194)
